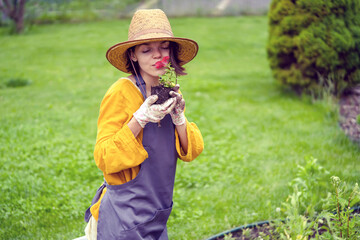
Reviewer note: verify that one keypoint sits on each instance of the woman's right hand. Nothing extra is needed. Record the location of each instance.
(150, 112)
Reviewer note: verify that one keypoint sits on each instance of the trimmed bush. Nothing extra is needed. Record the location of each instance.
(310, 40)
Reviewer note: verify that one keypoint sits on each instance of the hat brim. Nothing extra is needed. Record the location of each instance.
(116, 54)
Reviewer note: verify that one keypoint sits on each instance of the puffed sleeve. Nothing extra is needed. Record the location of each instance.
(195, 143)
(116, 147)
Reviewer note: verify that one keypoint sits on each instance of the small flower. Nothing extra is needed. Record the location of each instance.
(159, 65)
(335, 180)
(166, 59)
(278, 209)
(162, 63)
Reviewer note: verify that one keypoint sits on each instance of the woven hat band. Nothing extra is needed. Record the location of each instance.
(148, 31)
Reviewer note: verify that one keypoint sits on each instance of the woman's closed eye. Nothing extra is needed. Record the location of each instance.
(165, 45)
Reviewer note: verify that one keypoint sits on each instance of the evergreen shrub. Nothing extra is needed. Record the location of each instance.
(313, 40)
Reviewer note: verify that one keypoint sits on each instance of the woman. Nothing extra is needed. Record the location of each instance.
(137, 157)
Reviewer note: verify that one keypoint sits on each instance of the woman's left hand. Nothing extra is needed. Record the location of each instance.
(177, 114)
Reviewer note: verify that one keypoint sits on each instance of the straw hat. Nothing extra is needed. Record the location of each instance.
(149, 26)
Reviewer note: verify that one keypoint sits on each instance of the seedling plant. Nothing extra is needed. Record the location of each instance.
(335, 221)
(168, 81)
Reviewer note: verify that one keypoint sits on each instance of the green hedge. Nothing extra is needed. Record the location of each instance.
(57, 11)
(315, 43)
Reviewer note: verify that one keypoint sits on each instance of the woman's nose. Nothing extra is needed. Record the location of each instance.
(157, 53)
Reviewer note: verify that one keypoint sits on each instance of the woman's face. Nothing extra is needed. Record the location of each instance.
(147, 55)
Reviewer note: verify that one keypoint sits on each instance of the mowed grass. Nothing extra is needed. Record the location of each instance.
(255, 132)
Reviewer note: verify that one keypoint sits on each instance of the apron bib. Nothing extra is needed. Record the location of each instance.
(140, 208)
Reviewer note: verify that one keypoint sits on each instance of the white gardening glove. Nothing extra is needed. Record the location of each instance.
(177, 114)
(150, 112)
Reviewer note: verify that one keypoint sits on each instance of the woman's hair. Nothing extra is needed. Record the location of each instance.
(174, 60)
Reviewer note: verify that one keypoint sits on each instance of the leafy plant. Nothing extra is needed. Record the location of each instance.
(246, 232)
(228, 237)
(302, 202)
(309, 184)
(334, 221)
(169, 78)
(337, 219)
(296, 225)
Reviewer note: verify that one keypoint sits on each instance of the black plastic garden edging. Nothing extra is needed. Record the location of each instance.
(252, 225)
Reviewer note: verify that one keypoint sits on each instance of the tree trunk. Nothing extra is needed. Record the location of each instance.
(15, 11)
(20, 16)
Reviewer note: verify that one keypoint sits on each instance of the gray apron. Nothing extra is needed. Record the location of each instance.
(140, 208)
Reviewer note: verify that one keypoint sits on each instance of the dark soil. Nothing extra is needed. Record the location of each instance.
(251, 233)
(349, 110)
(262, 230)
(162, 92)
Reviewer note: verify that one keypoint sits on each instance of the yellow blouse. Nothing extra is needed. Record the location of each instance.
(118, 153)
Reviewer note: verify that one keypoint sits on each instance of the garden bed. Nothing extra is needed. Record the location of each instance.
(349, 112)
(256, 230)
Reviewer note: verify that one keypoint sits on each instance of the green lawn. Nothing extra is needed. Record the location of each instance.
(255, 132)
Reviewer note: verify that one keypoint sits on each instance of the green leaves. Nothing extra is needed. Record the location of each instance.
(337, 213)
(314, 36)
(169, 78)
(302, 221)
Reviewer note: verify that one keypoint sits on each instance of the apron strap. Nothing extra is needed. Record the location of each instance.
(141, 84)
